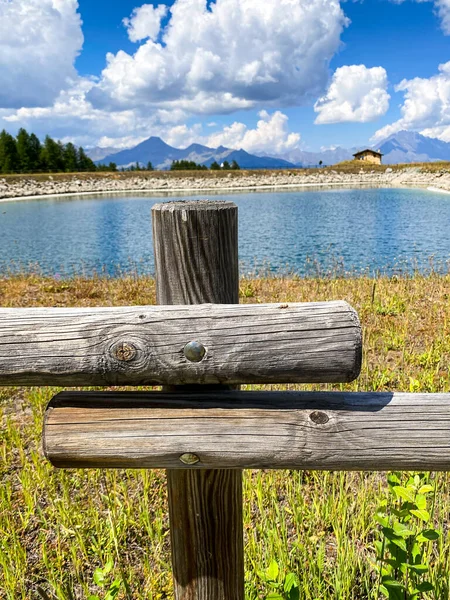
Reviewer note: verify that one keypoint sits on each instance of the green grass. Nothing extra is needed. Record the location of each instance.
(57, 527)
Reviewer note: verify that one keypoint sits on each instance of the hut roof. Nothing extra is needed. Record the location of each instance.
(368, 150)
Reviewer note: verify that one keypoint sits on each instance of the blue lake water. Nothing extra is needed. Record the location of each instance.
(306, 232)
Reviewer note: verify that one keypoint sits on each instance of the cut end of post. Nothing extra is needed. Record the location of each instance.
(194, 205)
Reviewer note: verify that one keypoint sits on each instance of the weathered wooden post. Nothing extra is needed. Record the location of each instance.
(196, 260)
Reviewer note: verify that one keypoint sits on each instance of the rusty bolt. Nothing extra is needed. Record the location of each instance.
(194, 351)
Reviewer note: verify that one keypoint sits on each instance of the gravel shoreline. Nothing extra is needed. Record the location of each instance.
(409, 177)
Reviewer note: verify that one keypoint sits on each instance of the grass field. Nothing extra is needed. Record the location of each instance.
(57, 527)
(350, 166)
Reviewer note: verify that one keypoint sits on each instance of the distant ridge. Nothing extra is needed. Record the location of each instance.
(401, 147)
(161, 155)
(410, 146)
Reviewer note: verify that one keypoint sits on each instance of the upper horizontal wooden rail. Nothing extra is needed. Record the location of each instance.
(274, 430)
(262, 343)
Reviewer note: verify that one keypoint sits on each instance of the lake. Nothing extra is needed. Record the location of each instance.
(305, 232)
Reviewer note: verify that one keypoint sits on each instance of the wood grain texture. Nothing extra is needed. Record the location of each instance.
(196, 259)
(227, 430)
(196, 252)
(311, 342)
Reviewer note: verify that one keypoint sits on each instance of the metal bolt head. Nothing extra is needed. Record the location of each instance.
(195, 352)
(125, 352)
(189, 459)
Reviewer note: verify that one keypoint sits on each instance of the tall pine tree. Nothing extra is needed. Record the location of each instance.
(24, 150)
(70, 158)
(9, 158)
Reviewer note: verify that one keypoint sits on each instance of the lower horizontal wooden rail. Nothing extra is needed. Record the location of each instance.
(232, 429)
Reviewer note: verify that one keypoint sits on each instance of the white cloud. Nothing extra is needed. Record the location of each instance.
(39, 41)
(73, 113)
(231, 55)
(88, 126)
(442, 9)
(271, 135)
(145, 22)
(426, 107)
(356, 93)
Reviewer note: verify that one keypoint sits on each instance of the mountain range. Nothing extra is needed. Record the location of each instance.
(401, 147)
(161, 155)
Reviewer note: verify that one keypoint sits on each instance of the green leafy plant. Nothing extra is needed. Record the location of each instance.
(103, 580)
(284, 587)
(403, 552)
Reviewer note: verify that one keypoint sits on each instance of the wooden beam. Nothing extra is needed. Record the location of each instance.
(257, 430)
(265, 343)
(196, 261)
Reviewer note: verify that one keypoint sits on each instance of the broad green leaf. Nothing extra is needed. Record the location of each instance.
(421, 501)
(272, 571)
(424, 515)
(384, 591)
(392, 583)
(114, 590)
(404, 493)
(108, 567)
(394, 478)
(418, 568)
(401, 530)
(94, 598)
(395, 539)
(291, 582)
(416, 550)
(428, 535)
(379, 548)
(425, 586)
(383, 521)
(99, 577)
(426, 489)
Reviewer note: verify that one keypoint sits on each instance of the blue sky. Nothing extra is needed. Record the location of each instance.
(270, 76)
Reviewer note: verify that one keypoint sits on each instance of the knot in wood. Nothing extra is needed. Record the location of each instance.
(125, 352)
(319, 418)
(189, 459)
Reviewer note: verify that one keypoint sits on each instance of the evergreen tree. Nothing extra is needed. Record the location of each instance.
(9, 158)
(52, 155)
(226, 165)
(84, 162)
(34, 148)
(23, 145)
(235, 166)
(149, 166)
(215, 166)
(70, 158)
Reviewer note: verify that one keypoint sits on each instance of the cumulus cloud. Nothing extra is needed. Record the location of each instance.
(89, 126)
(271, 135)
(230, 55)
(356, 93)
(426, 107)
(73, 113)
(145, 22)
(39, 41)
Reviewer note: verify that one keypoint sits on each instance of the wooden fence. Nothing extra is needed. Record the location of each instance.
(201, 427)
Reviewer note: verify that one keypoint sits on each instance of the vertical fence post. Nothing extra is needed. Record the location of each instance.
(196, 261)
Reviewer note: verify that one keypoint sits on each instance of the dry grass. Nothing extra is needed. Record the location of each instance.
(56, 527)
(351, 166)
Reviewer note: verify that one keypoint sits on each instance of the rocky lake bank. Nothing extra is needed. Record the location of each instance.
(29, 186)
